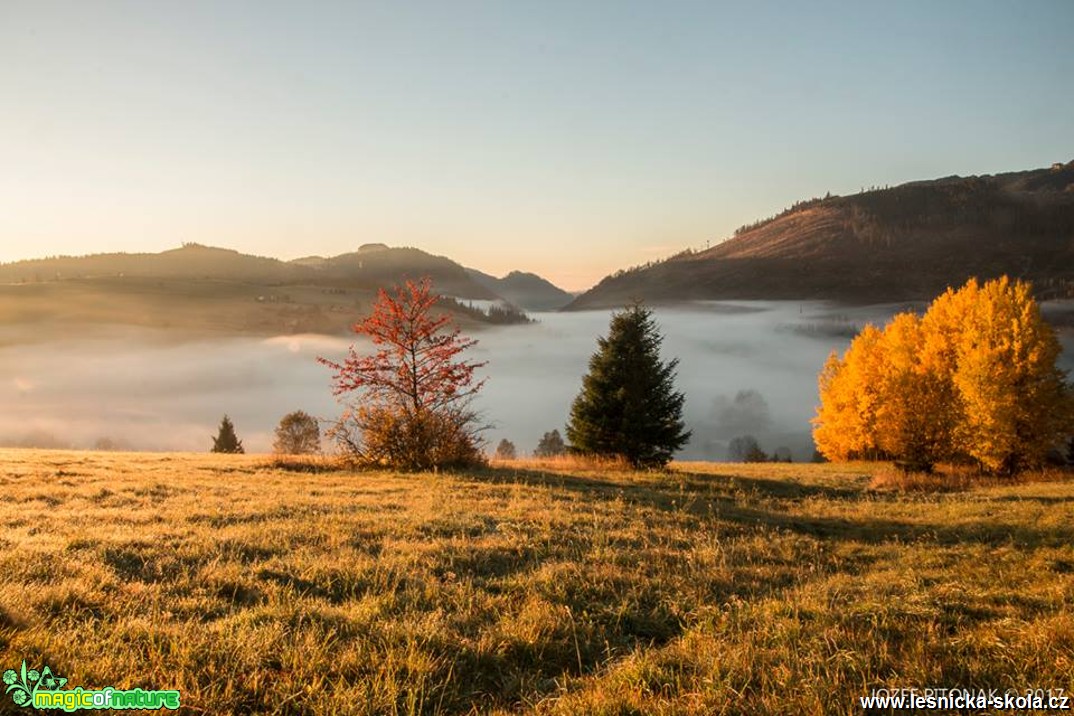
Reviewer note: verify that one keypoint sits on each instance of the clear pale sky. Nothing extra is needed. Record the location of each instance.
(566, 138)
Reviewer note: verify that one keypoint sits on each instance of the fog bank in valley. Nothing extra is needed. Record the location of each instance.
(746, 368)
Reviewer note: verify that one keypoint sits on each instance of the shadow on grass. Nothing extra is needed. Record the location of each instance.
(1039, 499)
(721, 496)
(673, 485)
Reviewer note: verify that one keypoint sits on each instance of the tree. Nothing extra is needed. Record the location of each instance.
(226, 441)
(845, 426)
(506, 450)
(1013, 397)
(917, 412)
(627, 406)
(745, 448)
(974, 379)
(550, 445)
(297, 434)
(408, 403)
(747, 413)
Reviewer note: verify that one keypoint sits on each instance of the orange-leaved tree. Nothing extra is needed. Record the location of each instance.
(974, 379)
(916, 410)
(845, 426)
(408, 404)
(1012, 397)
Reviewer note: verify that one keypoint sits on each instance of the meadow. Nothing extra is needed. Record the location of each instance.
(254, 587)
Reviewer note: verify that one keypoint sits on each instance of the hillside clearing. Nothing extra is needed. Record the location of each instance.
(714, 589)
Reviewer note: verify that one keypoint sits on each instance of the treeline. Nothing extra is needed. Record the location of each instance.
(803, 204)
(496, 314)
(619, 273)
(970, 202)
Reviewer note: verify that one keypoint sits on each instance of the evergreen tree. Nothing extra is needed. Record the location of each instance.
(226, 440)
(628, 407)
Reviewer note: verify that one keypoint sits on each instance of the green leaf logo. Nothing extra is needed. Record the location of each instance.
(22, 685)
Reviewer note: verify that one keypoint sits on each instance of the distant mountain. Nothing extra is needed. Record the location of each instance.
(528, 291)
(190, 261)
(205, 288)
(377, 265)
(895, 244)
(367, 268)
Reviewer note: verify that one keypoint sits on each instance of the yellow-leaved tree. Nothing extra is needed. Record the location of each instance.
(845, 426)
(1013, 395)
(975, 378)
(916, 417)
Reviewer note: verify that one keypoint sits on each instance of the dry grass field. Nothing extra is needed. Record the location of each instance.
(527, 588)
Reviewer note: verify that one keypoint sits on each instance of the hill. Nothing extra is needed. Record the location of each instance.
(527, 588)
(528, 291)
(376, 265)
(192, 261)
(367, 268)
(206, 288)
(906, 243)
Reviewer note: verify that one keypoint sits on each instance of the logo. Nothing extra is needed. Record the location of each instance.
(44, 690)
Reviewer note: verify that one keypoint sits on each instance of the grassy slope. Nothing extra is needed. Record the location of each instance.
(719, 589)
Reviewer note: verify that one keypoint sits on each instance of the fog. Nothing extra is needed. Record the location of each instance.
(746, 368)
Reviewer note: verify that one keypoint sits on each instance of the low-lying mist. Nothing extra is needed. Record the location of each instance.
(746, 368)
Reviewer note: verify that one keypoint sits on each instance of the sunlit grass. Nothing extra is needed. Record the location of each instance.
(532, 587)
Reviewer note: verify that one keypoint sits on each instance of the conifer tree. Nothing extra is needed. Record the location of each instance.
(226, 441)
(628, 406)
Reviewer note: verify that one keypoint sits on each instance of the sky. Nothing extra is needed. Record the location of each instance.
(569, 139)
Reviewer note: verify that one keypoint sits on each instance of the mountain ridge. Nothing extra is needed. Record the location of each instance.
(199, 287)
(525, 290)
(901, 243)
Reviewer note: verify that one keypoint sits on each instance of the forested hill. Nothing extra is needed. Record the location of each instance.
(526, 290)
(370, 267)
(199, 287)
(903, 243)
